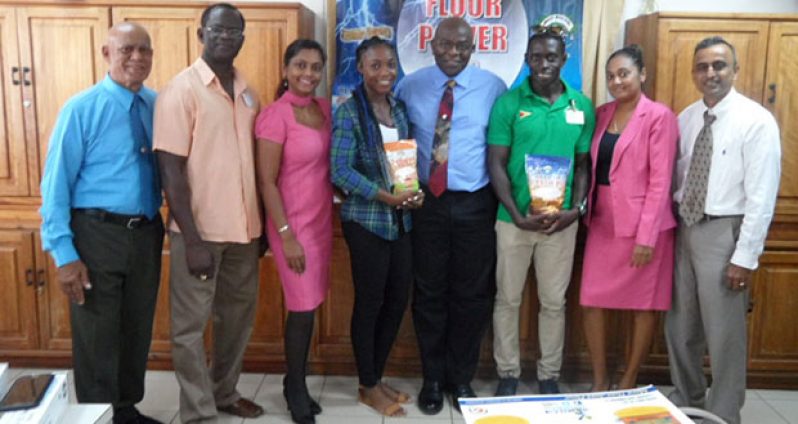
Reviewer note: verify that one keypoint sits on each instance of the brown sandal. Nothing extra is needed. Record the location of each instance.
(397, 395)
(391, 410)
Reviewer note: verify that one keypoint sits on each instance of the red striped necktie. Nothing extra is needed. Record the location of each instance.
(440, 142)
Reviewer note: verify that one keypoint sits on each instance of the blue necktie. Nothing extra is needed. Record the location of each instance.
(146, 161)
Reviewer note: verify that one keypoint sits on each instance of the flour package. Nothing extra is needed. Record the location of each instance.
(401, 157)
(547, 177)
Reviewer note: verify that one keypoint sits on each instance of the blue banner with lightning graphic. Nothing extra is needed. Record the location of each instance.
(501, 29)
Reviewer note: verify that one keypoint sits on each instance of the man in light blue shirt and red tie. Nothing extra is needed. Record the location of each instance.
(100, 223)
(454, 243)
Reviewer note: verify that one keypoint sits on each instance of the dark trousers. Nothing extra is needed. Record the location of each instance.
(381, 273)
(111, 331)
(454, 261)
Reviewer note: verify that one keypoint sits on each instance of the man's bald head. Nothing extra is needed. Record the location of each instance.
(452, 45)
(129, 54)
(453, 24)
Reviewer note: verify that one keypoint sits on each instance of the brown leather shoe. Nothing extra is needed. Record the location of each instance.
(244, 408)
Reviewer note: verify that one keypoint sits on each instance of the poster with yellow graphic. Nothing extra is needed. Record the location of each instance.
(645, 405)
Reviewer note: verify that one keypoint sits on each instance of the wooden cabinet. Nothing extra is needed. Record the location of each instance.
(767, 48)
(62, 44)
(18, 284)
(46, 41)
(13, 155)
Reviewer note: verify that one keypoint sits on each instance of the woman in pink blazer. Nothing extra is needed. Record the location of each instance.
(628, 261)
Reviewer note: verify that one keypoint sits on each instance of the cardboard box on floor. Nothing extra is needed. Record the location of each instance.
(49, 411)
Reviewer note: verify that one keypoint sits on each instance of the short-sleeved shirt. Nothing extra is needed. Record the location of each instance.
(196, 118)
(529, 124)
(475, 92)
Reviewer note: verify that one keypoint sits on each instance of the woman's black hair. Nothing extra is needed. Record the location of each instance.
(292, 50)
(632, 51)
(372, 42)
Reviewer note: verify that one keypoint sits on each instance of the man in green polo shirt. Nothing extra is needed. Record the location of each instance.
(543, 116)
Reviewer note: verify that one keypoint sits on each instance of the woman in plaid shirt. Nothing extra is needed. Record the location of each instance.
(375, 221)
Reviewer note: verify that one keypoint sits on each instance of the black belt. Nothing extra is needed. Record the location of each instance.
(128, 221)
(714, 217)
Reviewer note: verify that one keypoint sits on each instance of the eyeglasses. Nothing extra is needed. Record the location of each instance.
(128, 50)
(550, 29)
(447, 45)
(219, 30)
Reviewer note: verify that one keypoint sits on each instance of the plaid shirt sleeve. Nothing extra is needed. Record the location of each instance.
(343, 155)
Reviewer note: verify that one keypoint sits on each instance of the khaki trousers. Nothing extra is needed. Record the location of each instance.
(707, 316)
(553, 257)
(230, 297)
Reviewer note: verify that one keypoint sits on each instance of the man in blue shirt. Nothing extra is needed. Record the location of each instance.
(100, 223)
(454, 243)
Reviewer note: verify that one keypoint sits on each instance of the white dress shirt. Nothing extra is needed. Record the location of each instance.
(745, 171)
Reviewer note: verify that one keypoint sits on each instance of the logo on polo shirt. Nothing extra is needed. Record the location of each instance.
(524, 114)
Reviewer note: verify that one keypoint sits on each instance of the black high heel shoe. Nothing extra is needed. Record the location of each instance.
(315, 408)
(300, 405)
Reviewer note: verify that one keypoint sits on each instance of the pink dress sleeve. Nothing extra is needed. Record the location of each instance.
(270, 124)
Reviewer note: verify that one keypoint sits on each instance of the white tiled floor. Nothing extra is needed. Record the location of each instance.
(337, 396)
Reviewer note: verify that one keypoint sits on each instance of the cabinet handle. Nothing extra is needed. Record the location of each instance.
(39, 281)
(14, 78)
(772, 98)
(29, 277)
(25, 72)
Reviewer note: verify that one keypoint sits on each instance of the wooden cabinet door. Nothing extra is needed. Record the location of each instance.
(173, 32)
(677, 40)
(62, 47)
(54, 323)
(13, 155)
(781, 87)
(267, 33)
(17, 283)
(773, 335)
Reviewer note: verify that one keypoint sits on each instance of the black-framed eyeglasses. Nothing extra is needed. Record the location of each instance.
(219, 30)
(447, 45)
(550, 29)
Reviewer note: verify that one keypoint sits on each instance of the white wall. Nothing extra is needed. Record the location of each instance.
(633, 8)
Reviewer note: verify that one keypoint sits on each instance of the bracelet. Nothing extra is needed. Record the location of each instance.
(283, 229)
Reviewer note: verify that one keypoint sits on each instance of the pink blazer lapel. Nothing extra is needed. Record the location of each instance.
(631, 132)
(602, 122)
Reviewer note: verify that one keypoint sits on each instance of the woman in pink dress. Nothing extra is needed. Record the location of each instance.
(293, 151)
(629, 249)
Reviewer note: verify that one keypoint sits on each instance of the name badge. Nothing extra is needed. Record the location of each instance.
(574, 117)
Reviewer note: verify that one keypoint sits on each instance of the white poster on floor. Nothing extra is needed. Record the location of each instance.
(645, 405)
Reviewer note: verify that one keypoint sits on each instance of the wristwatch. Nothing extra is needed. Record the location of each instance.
(582, 207)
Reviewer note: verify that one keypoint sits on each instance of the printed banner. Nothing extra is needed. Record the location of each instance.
(636, 406)
(501, 29)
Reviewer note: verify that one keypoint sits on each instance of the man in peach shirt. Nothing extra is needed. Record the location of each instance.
(204, 139)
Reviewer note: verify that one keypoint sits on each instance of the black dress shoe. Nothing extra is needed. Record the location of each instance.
(548, 387)
(131, 415)
(507, 386)
(430, 399)
(461, 391)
